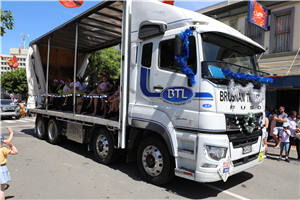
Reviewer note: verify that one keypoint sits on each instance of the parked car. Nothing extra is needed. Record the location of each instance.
(9, 109)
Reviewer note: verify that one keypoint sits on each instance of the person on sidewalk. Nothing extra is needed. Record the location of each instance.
(5, 175)
(266, 137)
(297, 138)
(284, 136)
(293, 125)
(277, 123)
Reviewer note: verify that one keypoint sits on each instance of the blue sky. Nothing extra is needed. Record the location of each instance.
(35, 18)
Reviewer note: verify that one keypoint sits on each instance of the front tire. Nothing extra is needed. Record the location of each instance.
(103, 146)
(54, 132)
(155, 163)
(40, 128)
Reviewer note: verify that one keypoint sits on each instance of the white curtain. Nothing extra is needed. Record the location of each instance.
(35, 77)
(83, 63)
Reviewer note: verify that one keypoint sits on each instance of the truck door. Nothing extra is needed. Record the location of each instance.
(172, 92)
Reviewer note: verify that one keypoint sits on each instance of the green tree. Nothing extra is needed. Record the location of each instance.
(15, 81)
(7, 21)
(108, 59)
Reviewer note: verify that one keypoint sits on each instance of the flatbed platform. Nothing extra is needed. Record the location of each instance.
(68, 116)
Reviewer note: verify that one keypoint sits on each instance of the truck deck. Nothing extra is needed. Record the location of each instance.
(68, 116)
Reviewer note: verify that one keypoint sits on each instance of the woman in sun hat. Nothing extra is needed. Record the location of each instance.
(5, 175)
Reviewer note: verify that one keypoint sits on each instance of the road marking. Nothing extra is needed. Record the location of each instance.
(8, 121)
(224, 191)
(16, 126)
(29, 119)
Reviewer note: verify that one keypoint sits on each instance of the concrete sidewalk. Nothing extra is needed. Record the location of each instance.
(274, 153)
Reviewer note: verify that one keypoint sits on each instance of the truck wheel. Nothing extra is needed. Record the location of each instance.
(154, 161)
(41, 128)
(104, 150)
(54, 130)
(17, 117)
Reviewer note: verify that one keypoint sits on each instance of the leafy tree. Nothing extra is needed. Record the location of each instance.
(15, 81)
(6, 21)
(108, 59)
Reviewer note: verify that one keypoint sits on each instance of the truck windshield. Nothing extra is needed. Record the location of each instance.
(220, 53)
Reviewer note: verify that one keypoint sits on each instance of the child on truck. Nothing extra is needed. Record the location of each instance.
(104, 87)
(284, 136)
(5, 175)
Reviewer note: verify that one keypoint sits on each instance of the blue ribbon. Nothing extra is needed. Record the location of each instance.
(184, 36)
(247, 77)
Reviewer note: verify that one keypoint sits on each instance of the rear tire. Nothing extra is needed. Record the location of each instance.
(54, 131)
(40, 128)
(155, 163)
(103, 146)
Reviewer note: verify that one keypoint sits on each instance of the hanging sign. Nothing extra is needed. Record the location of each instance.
(258, 14)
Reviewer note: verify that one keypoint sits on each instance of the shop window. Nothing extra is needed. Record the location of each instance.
(233, 23)
(282, 27)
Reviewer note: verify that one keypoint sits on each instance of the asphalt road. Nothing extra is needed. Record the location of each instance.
(69, 171)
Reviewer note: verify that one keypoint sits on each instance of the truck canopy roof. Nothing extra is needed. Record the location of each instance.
(98, 28)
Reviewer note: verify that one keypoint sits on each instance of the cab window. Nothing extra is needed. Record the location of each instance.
(167, 59)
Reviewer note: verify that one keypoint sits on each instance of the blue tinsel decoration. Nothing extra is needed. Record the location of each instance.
(247, 77)
(184, 36)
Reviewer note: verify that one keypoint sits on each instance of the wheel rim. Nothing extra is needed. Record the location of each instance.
(51, 130)
(152, 160)
(102, 146)
(40, 127)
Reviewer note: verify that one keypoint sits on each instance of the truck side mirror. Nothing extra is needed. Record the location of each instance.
(177, 51)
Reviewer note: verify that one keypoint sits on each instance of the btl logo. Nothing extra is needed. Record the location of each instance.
(177, 94)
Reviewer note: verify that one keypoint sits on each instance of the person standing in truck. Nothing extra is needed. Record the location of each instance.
(276, 125)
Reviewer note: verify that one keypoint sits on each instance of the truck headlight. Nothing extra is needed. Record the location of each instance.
(18, 108)
(216, 153)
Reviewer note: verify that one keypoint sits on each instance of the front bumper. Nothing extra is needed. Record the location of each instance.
(10, 114)
(202, 176)
(239, 161)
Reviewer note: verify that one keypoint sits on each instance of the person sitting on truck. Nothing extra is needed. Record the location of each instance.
(61, 86)
(104, 88)
(71, 86)
(114, 101)
(52, 91)
(83, 84)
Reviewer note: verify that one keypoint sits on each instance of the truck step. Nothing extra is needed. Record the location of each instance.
(185, 173)
(187, 151)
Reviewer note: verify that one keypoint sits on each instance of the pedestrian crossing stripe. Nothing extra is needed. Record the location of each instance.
(8, 121)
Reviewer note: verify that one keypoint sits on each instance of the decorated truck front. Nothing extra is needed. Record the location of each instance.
(230, 69)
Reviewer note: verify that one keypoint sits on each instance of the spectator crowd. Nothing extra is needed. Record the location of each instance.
(284, 130)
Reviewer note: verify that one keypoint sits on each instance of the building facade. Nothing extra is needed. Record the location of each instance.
(19, 53)
(281, 41)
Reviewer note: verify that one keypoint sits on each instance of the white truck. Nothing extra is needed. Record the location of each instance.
(195, 111)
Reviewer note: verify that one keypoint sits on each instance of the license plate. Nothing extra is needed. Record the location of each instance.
(247, 149)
